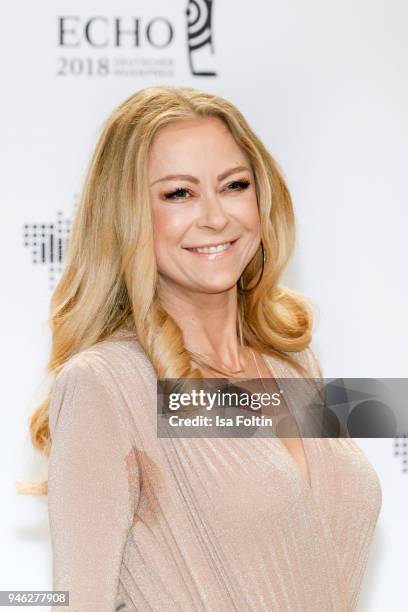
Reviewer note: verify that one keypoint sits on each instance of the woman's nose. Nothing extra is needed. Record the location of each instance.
(212, 213)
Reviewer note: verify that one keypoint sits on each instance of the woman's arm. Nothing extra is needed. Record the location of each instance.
(93, 487)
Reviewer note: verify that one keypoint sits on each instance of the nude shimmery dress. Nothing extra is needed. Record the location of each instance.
(196, 524)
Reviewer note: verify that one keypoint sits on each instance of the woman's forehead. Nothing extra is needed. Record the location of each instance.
(184, 147)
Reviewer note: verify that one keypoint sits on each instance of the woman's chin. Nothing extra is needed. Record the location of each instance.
(216, 287)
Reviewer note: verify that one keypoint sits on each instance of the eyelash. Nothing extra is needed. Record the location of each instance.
(244, 184)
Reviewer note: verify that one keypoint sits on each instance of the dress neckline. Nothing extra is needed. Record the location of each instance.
(307, 449)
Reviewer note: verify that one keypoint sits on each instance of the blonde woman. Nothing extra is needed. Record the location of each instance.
(184, 228)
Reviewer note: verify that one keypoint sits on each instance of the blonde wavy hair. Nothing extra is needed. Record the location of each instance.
(109, 278)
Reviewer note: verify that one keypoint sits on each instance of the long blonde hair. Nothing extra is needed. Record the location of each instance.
(109, 278)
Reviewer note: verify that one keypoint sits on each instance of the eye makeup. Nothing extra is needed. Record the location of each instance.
(175, 194)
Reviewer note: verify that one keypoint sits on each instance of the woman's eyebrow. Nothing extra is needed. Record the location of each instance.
(194, 179)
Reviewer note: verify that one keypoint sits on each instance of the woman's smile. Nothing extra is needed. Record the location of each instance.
(214, 250)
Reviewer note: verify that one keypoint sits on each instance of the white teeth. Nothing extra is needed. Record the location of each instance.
(212, 249)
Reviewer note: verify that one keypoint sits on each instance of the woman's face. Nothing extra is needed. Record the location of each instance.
(211, 202)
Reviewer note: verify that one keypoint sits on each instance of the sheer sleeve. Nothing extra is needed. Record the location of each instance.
(93, 486)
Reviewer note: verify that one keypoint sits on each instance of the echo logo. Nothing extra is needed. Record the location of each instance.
(107, 33)
(116, 32)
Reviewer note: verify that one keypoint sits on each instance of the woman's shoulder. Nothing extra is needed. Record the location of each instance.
(102, 376)
(114, 356)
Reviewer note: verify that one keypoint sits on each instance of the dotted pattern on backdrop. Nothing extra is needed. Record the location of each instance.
(401, 450)
(48, 243)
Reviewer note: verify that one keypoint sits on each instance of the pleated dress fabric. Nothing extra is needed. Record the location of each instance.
(196, 524)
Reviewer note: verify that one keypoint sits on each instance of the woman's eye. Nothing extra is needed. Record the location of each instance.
(241, 185)
(179, 193)
(176, 194)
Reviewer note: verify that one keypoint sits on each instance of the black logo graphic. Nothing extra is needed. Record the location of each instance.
(199, 36)
(48, 243)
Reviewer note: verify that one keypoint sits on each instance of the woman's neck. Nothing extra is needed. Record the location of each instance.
(208, 324)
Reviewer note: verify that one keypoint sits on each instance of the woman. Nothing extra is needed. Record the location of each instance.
(184, 228)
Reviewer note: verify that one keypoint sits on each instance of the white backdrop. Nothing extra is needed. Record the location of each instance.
(324, 86)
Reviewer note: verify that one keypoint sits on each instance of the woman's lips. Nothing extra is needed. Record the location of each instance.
(216, 254)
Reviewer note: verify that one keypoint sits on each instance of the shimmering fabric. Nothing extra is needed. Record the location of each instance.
(194, 524)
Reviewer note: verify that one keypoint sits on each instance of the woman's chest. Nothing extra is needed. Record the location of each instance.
(263, 477)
